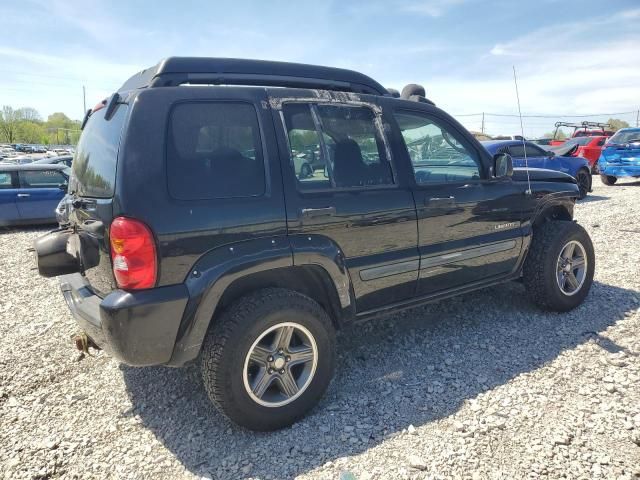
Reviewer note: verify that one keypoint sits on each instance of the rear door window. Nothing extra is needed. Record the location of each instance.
(214, 150)
(41, 179)
(94, 167)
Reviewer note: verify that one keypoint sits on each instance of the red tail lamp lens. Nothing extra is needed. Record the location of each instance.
(133, 254)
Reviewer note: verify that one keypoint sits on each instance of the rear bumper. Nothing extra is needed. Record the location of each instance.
(136, 328)
(619, 170)
(616, 167)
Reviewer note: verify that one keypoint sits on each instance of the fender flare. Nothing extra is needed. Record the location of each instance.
(564, 200)
(215, 271)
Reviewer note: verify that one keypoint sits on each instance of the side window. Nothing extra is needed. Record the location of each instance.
(5, 180)
(214, 151)
(533, 151)
(436, 154)
(516, 151)
(41, 179)
(335, 146)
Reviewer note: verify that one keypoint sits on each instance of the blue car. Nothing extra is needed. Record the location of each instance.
(29, 194)
(620, 156)
(537, 157)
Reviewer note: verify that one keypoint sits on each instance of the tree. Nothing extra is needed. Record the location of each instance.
(560, 135)
(9, 120)
(617, 124)
(29, 114)
(59, 120)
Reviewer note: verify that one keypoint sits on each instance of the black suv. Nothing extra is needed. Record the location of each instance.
(192, 236)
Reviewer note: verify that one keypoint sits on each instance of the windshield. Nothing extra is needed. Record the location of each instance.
(625, 136)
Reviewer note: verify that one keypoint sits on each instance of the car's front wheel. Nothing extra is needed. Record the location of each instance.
(267, 361)
(558, 271)
(608, 179)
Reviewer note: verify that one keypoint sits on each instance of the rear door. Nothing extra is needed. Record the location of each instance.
(40, 193)
(8, 191)
(468, 223)
(352, 198)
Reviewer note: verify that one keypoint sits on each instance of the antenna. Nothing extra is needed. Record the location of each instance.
(524, 147)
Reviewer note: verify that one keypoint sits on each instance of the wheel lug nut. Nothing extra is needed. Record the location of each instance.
(282, 372)
(270, 358)
(288, 358)
(280, 351)
(270, 371)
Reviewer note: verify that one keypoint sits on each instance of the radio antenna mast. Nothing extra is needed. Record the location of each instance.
(524, 147)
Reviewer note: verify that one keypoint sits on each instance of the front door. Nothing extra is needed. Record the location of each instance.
(468, 224)
(8, 191)
(343, 194)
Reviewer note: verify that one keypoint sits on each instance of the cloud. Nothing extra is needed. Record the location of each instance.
(431, 8)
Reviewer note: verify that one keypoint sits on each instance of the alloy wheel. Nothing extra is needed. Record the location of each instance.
(280, 364)
(571, 269)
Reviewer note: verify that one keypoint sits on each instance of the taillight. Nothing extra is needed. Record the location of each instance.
(133, 254)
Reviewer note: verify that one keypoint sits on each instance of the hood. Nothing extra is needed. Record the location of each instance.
(541, 175)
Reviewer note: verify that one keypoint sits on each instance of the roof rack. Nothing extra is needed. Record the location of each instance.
(175, 71)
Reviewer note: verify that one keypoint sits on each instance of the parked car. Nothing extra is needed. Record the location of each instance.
(589, 147)
(620, 156)
(193, 238)
(62, 160)
(583, 129)
(537, 157)
(30, 193)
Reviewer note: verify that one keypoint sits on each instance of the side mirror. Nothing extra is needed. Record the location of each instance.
(551, 153)
(64, 187)
(502, 165)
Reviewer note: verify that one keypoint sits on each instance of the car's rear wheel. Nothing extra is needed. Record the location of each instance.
(558, 271)
(608, 179)
(583, 177)
(269, 358)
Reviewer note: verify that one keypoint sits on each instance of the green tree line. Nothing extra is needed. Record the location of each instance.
(25, 125)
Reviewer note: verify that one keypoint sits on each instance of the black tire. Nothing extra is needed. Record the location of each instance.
(541, 265)
(228, 343)
(608, 179)
(583, 177)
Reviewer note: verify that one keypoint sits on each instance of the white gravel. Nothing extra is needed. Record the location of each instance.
(482, 386)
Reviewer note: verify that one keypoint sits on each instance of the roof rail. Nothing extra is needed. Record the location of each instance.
(175, 71)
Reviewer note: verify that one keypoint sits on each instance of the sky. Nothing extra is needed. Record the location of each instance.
(572, 57)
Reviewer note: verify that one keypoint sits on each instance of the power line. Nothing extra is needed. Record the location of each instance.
(543, 116)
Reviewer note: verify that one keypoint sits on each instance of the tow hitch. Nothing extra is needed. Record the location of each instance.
(83, 342)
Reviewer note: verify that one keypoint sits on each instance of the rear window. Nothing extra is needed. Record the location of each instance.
(214, 151)
(94, 166)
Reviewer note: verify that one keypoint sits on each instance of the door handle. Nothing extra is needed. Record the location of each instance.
(440, 200)
(318, 212)
(23, 195)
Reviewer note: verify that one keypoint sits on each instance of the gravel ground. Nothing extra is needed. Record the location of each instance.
(482, 386)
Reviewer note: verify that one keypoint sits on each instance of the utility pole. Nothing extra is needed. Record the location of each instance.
(84, 101)
(638, 118)
(482, 129)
